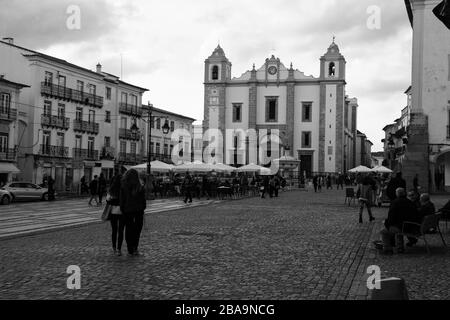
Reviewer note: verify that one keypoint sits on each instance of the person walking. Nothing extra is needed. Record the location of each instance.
(320, 183)
(205, 186)
(51, 188)
(93, 188)
(276, 186)
(328, 179)
(101, 187)
(187, 186)
(365, 190)
(132, 205)
(84, 187)
(315, 182)
(265, 186)
(340, 181)
(117, 219)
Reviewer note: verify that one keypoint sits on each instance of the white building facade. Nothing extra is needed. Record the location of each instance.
(77, 120)
(314, 120)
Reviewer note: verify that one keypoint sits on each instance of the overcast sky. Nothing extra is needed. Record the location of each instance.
(164, 44)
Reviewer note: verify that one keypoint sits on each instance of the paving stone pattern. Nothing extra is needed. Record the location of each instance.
(302, 245)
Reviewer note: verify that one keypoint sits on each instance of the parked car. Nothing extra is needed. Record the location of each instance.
(26, 191)
(5, 197)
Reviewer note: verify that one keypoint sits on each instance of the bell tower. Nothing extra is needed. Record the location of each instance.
(332, 64)
(332, 100)
(217, 74)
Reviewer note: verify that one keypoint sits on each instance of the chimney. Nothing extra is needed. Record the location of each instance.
(9, 40)
(99, 68)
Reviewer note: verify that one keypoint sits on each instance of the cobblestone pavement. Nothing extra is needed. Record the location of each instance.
(23, 218)
(299, 246)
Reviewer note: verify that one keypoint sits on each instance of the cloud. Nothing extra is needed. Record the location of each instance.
(164, 44)
(43, 23)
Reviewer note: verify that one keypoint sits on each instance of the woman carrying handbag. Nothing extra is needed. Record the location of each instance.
(116, 216)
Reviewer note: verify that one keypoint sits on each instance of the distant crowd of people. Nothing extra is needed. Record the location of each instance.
(212, 186)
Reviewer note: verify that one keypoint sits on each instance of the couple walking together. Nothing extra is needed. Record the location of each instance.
(127, 205)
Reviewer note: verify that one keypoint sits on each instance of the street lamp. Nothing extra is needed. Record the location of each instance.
(165, 129)
(391, 148)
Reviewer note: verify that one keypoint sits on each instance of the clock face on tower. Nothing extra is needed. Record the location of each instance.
(272, 70)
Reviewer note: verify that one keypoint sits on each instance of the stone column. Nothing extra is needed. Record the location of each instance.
(290, 116)
(416, 156)
(322, 128)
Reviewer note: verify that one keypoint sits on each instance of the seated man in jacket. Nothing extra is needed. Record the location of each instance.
(426, 208)
(401, 210)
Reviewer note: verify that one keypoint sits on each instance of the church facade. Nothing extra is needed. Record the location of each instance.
(311, 118)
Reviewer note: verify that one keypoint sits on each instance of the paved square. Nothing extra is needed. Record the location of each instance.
(301, 245)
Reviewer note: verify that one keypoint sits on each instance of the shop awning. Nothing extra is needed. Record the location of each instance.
(6, 167)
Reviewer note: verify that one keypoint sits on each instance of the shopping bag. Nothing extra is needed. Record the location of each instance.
(106, 212)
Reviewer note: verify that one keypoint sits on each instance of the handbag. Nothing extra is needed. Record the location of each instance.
(106, 214)
(115, 210)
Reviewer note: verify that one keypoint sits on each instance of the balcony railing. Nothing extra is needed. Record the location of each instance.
(85, 154)
(7, 154)
(55, 122)
(130, 157)
(160, 157)
(53, 151)
(130, 109)
(62, 92)
(8, 114)
(128, 134)
(85, 126)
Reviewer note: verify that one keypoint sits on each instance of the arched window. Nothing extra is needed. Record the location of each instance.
(215, 73)
(331, 69)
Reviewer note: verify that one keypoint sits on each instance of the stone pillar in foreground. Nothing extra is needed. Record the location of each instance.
(416, 159)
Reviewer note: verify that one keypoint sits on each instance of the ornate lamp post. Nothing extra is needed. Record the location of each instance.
(165, 128)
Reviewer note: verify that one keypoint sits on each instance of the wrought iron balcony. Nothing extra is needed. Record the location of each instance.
(7, 154)
(130, 110)
(85, 126)
(129, 135)
(55, 122)
(85, 154)
(160, 157)
(130, 157)
(64, 93)
(53, 151)
(8, 114)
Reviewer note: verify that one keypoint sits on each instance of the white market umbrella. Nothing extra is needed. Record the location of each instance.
(220, 167)
(196, 166)
(254, 168)
(381, 169)
(360, 169)
(266, 172)
(156, 166)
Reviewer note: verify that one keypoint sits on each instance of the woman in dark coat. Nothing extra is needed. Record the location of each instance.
(132, 206)
(117, 219)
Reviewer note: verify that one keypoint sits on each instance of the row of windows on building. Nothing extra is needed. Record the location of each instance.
(61, 111)
(125, 98)
(272, 111)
